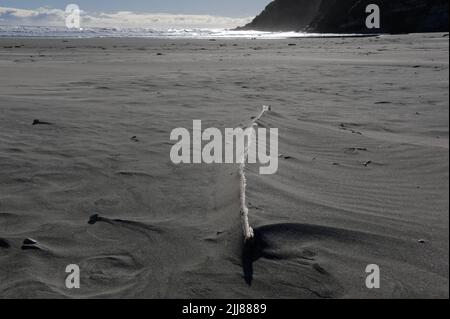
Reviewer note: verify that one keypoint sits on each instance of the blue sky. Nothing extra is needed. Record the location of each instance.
(228, 8)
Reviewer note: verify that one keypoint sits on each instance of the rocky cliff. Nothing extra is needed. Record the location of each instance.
(349, 16)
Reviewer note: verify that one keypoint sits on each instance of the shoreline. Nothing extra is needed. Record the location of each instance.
(213, 39)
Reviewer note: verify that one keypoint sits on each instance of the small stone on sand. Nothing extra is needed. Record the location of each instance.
(367, 163)
(37, 122)
(30, 244)
(29, 241)
(93, 219)
(4, 243)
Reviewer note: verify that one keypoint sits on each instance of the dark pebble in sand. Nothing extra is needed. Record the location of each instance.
(422, 241)
(37, 122)
(29, 241)
(93, 219)
(319, 269)
(4, 243)
(364, 149)
(383, 102)
(30, 244)
(367, 163)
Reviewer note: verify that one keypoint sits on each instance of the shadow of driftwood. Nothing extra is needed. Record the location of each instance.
(251, 252)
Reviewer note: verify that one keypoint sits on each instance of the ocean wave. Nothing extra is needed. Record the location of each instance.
(61, 32)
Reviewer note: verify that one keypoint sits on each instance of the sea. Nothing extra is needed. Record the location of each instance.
(61, 32)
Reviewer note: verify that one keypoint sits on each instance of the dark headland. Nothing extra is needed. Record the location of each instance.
(348, 16)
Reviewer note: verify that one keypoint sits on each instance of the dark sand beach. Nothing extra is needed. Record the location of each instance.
(363, 177)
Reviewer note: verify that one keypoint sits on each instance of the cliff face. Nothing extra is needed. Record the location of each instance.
(286, 15)
(349, 16)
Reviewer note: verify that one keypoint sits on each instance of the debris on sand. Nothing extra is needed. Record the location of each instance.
(248, 230)
(30, 244)
(29, 241)
(4, 243)
(383, 102)
(94, 219)
(344, 127)
(38, 122)
(367, 163)
(356, 149)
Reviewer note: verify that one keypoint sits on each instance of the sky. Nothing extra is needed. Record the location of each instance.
(134, 13)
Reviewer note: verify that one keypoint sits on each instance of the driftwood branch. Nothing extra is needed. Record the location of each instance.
(248, 230)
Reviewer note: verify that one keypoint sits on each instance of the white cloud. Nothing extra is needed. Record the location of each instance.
(122, 19)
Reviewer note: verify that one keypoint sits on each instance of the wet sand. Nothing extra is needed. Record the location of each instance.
(363, 177)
